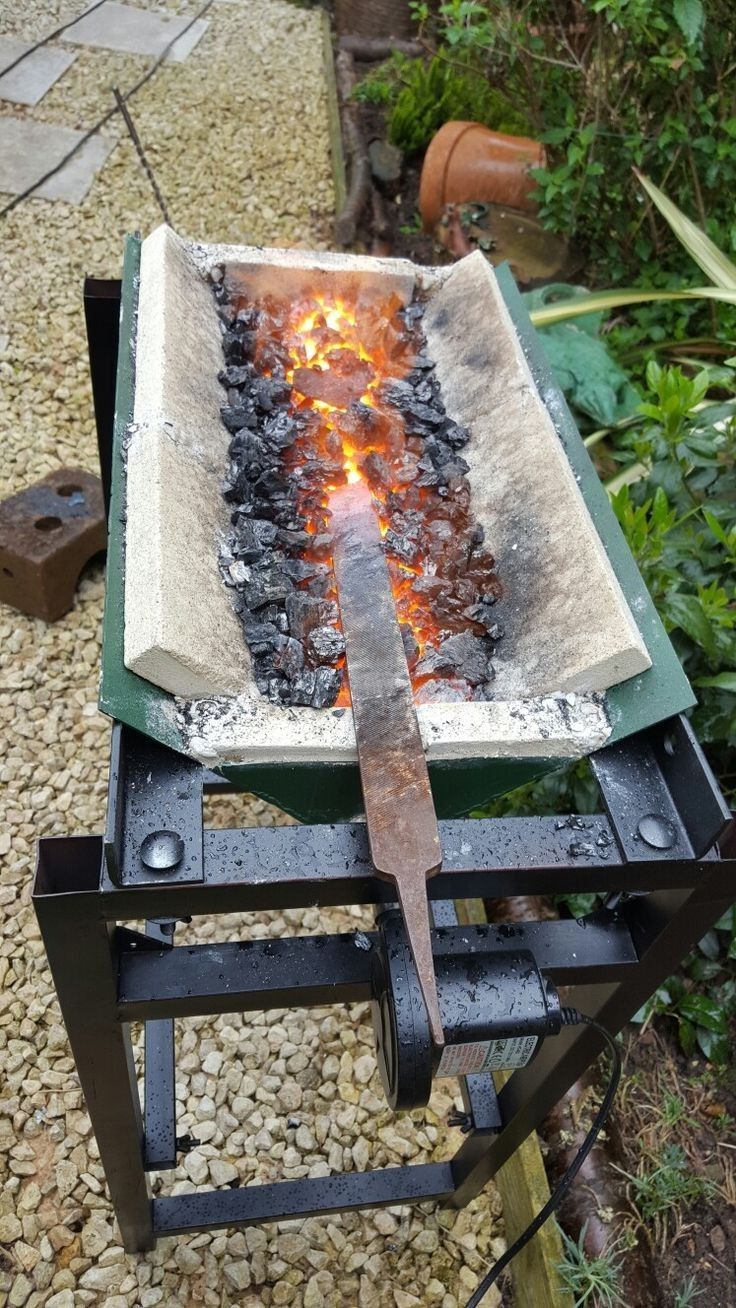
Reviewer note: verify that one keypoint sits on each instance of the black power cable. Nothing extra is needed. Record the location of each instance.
(570, 1017)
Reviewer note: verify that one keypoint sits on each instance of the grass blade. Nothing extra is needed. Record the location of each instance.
(714, 262)
(603, 301)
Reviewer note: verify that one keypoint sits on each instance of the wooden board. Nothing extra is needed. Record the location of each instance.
(522, 1185)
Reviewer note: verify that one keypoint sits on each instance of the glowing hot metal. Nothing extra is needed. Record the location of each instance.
(402, 824)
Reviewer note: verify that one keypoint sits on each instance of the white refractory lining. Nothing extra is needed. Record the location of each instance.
(568, 630)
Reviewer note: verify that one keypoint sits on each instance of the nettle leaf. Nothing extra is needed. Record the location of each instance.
(689, 16)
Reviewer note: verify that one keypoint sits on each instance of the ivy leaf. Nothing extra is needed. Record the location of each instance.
(689, 17)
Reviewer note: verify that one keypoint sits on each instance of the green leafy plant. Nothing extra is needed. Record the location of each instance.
(701, 249)
(383, 83)
(702, 998)
(668, 106)
(668, 1185)
(414, 226)
(595, 386)
(594, 1281)
(420, 96)
(687, 1293)
(677, 509)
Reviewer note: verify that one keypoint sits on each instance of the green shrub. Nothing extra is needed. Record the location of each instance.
(645, 82)
(421, 96)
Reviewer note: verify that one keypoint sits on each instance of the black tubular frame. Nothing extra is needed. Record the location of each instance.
(654, 855)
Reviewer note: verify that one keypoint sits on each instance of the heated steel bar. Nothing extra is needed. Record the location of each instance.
(399, 810)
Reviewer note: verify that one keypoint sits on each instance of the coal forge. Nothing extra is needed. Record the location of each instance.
(322, 391)
(568, 632)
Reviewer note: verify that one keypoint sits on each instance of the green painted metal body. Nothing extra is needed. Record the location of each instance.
(322, 792)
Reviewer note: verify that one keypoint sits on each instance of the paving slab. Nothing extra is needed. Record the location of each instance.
(135, 31)
(29, 82)
(29, 149)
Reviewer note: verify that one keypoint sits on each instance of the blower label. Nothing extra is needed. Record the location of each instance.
(486, 1056)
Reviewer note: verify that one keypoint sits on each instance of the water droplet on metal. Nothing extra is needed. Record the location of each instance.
(162, 851)
(657, 831)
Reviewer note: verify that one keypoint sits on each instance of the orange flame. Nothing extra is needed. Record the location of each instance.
(340, 359)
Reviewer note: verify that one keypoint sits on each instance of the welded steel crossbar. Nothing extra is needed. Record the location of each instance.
(654, 857)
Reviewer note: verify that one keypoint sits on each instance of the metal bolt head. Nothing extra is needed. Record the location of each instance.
(162, 851)
(657, 831)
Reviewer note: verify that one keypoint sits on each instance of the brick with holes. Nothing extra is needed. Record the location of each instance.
(48, 532)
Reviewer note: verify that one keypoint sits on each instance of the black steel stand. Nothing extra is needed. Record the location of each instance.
(654, 857)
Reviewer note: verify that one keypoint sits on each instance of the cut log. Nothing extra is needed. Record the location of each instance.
(346, 223)
(368, 48)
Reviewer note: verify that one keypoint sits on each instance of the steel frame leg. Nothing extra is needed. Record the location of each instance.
(107, 976)
(678, 919)
(82, 958)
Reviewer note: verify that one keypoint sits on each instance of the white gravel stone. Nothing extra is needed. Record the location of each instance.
(187, 1259)
(10, 1228)
(238, 1275)
(213, 1063)
(102, 1278)
(64, 1299)
(221, 1172)
(196, 1167)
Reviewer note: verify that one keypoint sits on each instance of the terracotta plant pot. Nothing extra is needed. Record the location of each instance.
(466, 161)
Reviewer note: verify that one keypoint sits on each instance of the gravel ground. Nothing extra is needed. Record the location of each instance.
(289, 1093)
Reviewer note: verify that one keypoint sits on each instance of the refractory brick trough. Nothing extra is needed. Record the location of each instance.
(568, 631)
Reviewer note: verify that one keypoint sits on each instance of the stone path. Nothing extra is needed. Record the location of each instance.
(30, 150)
(237, 134)
(135, 31)
(30, 80)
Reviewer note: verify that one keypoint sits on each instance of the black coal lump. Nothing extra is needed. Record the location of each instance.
(327, 682)
(325, 645)
(468, 655)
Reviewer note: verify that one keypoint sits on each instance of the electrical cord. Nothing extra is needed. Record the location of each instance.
(570, 1017)
(49, 37)
(18, 199)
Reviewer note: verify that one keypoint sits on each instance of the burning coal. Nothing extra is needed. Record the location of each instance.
(323, 392)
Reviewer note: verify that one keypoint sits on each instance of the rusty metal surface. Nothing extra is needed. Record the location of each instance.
(48, 532)
(400, 814)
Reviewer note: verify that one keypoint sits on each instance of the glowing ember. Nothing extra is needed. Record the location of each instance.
(324, 392)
